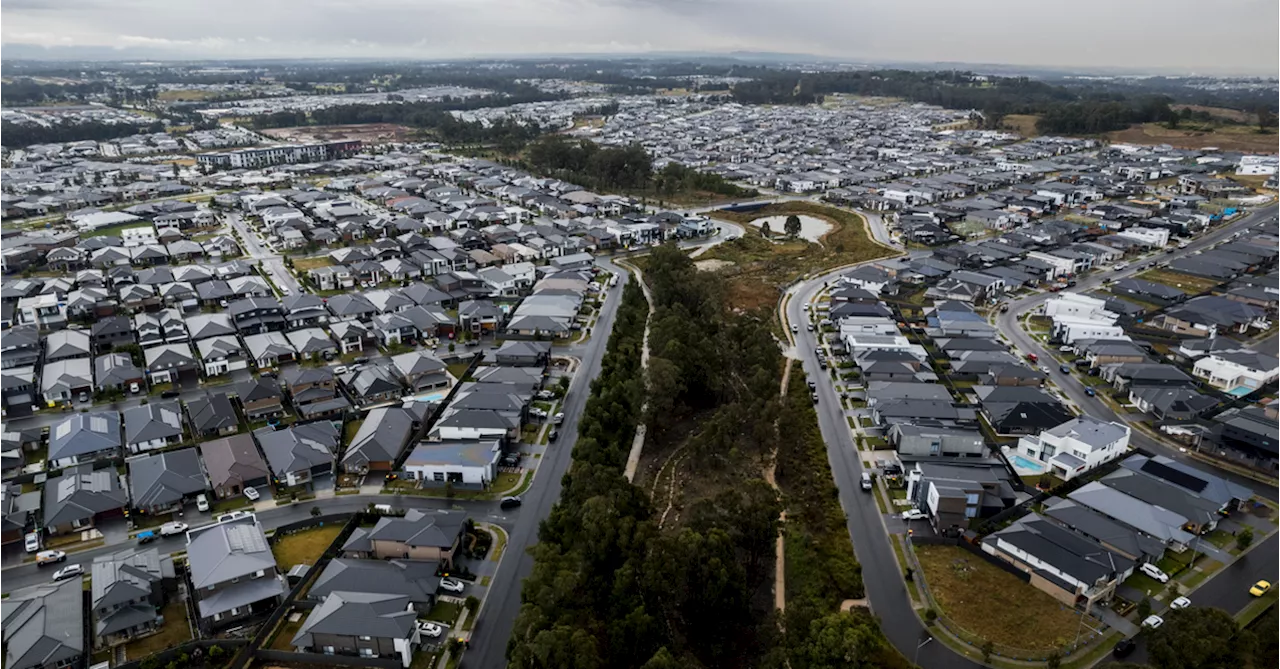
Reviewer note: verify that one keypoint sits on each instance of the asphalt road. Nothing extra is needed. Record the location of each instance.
(1008, 324)
(271, 262)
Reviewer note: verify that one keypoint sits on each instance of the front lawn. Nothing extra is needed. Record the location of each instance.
(993, 604)
(445, 612)
(175, 631)
(304, 547)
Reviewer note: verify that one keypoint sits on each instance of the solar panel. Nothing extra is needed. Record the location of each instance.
(62, 430)
(246, 538)
(1178, 478)
(98, 424)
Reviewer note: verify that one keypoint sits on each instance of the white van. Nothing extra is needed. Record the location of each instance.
(866, 480)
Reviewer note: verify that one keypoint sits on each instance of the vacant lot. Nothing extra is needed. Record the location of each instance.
(993, 604)
(761, 269)
(187, 94)
(1227, 138)
(304, 264)
(371, 133)
(304, 547)
(1023, 124)
(1185, 282)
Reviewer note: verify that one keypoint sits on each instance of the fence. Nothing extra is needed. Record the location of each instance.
(1087, 634)
(291, 657)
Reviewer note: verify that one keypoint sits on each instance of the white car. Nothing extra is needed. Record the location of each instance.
(170, 529)
(134, 387)
(251, 493)
(1154, 572)
(430, 629)
(340, 369)
(795, 328)
(558, 418)
(32, 542)
(452, 585)
(1180, 603)
(69, 571)
(49, 557)
(914, 514)
(230, 516)
(1152, 622)
(202, 503)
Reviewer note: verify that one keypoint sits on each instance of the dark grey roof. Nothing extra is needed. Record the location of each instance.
(126, 576)
(1096, 526)
(385, 616)
(162, 420)
(233, 461)
(84, 433)
(418, 528)
(212, 412)
(80, 493)
(44, 625)
(415, 579)
(236, 549)
(164, 478)
(298, 447)
(1191, 479)
(1071, 553)
(381, 437)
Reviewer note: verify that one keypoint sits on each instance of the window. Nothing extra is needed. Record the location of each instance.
(260, 573)
(455, 477)
(217, 617)
(366, 652)
(438, 477)
(366, 638)
(235, 611)
(328, 650)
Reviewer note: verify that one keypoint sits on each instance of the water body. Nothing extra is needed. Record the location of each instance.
(812, 228)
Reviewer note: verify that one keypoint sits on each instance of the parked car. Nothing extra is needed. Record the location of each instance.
(134, 387)
(172, 529)
(1260, 588)
(340, 369)
(251, 493)
(1124, 648)
(1004, 308)
(558, 418)
(1180, 603)
(1152, 622)
(914, 514)
(1065, 369)
(202, 503)
(46, 558)
(147, 537)
(555, 434)
(452, 585)
(169, 394)
(544, 395)
(509, 502)
(812, 385)
(230, 516)
(32, 541)
(795, 329)
(69, 571)
(429, 629)
(1154, 572)
(1065, 349)
(84, 396)
(815, 397)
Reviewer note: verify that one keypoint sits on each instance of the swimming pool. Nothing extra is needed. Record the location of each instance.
(1240, 391)
(1020, 462)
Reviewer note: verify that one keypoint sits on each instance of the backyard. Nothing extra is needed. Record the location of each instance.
(1185, 282)
(175, 631)
(993, 604)
(304, 547)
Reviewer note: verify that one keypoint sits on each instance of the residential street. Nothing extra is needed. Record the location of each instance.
(270, 261)
(1008, 324)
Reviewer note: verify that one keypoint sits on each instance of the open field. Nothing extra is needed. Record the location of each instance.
(1185, 282)
(186, 95)
(370, 133)
(761, 268)
(304, 547)
(1023, 124)
(1228, 138)
(304, 264)
(993, 604)
(1220, 112)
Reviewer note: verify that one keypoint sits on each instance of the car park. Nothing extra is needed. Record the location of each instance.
(172, 529)
(69, 571)
(451, 585)
(46, 558)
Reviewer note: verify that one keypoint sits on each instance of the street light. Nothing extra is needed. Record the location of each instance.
(916, 660)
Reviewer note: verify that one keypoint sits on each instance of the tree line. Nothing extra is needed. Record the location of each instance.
(24, 134)
(623, 168)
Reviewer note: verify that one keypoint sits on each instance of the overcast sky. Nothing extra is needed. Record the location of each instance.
(1222, 36)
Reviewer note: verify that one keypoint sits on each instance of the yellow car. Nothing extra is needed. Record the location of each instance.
(1260, 588)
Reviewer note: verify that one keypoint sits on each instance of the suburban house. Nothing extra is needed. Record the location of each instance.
(417, 535)
(222, 354)
(233, 572)
(1171, 404)
(169, 363)
(924, 441)
(84, 437)
(234, 464)
(520, 353)
(44, 626)
(1112, 534)
(63, 380)
(1151, 520)
(270, 349)
(372, 384)
(472, 463)
(1239, 369)
(148, 427)
(261, 398)
(80, 497)
(1070, 567)
(162, 482)
(129, 589)
(116, 371)
(416, 579)
(1076, 446)
(381, 438)
(212, 415)
(361, 624)
(955, 491)
(314, 392)
(300, 453)
(422, 371)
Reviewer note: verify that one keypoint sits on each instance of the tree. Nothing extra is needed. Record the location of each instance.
(841, 641)
(472, 604)
(1144, 608)
(1244, 538)
(1199, 638)
(1054, 660)
(792, 226)
(315, 511)
(988, 647)
(765, 230)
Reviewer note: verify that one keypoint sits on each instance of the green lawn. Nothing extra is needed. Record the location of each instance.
(445, 612)
(230, 504)
(304, 547)
(1185, 282)
(458, 369)
(175, 631)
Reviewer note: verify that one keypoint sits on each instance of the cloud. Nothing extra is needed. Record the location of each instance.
(1133, 34)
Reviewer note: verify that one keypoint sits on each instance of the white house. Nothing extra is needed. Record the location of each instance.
(468, 462)
(1076, 305)
(1061, 266)
(1256, 166)
(1155, 237)
(1070, 330)
(1076, 446)
(1227, 370)
(139, 236)
(859, 343)
(222, 354)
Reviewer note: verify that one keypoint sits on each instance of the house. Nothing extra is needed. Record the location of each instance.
(415, 579)
(116, 371)
(422, 371)
(256, 315)
(107, 333)
(1234, 371)
(418, 535)
(1151, 520)
(1171, 404)
(300, 453)
(1248, 435)
(203, 326)
(162, 482)
(84, 437)
(518, 353)
(1076, 446)
(129, 589)
(234, 464)
(380, 440)
(458, 462)
(954, 491)
(233, 572)
(44, 626)
(261, 398)
(372, 384)
(151, 426)
(350, 335)
(222, 354)
(80, 497)
(212, 415)
(304, 310)
(170, 363)
(270, 349)
(1207, 314)
(20, 347)
(1113, 535)
(1200, 515)
(363, 625)
(923, 441)
(314, 392)
(312, 343)
(1068, 566)
(63, 380)
(1018, 410)
(1206, 485)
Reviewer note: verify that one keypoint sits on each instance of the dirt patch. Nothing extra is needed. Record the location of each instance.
(1229, 138)
(711, 265)
(369, 133)
(1023, 124)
